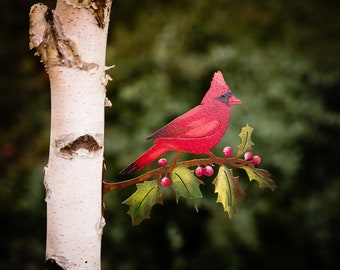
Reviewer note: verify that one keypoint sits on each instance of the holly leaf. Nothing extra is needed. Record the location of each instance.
(186, 184)
(228, 189)
(261, 176)
(146, 196)
(246, 143)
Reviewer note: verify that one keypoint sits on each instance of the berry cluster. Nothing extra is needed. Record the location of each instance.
(228, 152)
(207, 171)
(254, 159)
(165, 181)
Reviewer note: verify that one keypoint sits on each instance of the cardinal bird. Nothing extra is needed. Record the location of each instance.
(196, 131)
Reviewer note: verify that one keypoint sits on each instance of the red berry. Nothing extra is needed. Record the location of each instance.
(162, 162)
(256, 160)
(248, 155)
(208, 171)
(199, 171)
(228, 151)
(165, 182)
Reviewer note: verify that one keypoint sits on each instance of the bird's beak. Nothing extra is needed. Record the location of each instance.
(234, 101)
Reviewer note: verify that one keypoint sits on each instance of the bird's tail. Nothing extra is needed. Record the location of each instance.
(145, 159)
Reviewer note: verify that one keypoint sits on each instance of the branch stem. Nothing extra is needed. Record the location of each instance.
(234, 162)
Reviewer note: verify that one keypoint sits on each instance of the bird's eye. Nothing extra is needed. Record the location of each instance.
(224, 98)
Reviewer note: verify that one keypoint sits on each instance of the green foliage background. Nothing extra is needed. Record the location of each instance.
(281, 58)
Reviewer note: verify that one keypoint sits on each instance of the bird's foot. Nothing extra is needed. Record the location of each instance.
(174, 161)
(212, 155)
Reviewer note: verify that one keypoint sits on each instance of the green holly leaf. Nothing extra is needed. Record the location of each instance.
(261, 176)
(186, 184)
(246, 143)
(228, 189)
(146, 196)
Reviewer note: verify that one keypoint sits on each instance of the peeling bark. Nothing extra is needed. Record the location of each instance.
(99, 8)
(71, 42)
(54, 48)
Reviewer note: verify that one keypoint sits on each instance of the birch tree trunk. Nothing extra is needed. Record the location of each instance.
(71, 41)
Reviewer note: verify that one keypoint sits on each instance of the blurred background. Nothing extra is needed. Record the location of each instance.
(281, 58)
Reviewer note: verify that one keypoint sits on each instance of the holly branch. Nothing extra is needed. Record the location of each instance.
(235, 162)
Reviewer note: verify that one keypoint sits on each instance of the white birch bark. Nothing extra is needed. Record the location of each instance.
(71, 41)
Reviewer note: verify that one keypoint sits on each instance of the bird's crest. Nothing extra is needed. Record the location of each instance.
(217, 88)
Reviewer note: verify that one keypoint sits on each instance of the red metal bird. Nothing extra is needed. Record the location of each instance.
(196, 131)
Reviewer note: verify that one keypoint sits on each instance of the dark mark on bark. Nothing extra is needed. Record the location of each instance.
(86, 142)
(56, 263)
(51, 264)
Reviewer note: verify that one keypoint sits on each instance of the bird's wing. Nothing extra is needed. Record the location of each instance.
(196, 123)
